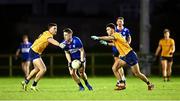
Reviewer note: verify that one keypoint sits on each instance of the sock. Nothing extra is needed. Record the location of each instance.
(34, 83)
(147, 82)
(118, 81)
(122, 81)
(80, 84)
(26, 81)
(123, 78)
(86, 82)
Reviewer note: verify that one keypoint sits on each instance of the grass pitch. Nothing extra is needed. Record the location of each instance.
(64, 88)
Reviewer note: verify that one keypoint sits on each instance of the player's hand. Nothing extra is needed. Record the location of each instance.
(94, 37)
(61, 45)
(171, 53)
(103, 42)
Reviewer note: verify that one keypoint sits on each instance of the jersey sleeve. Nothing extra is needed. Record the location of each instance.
(173, 43)
(79, 43)
(128, 33)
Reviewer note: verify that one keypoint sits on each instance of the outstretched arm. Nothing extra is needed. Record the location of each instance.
(106, 38)
(106, 43)
(56, 43)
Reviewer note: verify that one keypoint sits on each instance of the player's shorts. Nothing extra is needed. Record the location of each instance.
(25, 57)
(33, 55)
(131, 58)
(115, 52)
(169, 59)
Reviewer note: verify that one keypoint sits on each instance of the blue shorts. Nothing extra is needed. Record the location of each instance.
(25, 59)
(131, 58)
(115, 52)
(33, 55)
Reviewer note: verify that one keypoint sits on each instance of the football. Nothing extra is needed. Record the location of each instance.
(76, 64)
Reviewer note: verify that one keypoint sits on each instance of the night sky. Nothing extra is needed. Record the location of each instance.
(86, 18)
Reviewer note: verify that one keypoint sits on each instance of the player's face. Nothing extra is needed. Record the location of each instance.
(109, 31)
(67, 36)
(166, 35)
(53, 30)
(120, 22)
(25, 39)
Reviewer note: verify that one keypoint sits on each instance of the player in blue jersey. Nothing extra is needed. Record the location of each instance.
(74, 50)
(119, 73)
(23, 52)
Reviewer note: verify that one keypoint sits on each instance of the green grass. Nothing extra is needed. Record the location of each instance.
(64, 88)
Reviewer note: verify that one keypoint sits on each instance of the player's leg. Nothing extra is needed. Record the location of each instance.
(23, 66)
(26, 66)
(120, 70)
(115, 69)
(169, 69)
(83, 75)
(27, 79)
(164, 68)
(136, 71)
(119, 64)
(75, 77)
(42, 69)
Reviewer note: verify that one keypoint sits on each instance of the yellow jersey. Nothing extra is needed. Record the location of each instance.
(167, 46)
(121, 44)
(42, 42)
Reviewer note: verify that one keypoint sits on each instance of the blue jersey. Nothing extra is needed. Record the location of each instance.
(125, 33)
(24, 49)
(73, 47)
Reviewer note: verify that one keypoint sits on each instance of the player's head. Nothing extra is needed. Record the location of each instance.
(67, 32)
(52, 28)
(110, 28)
(25, 38)
(166, 33)
(120, 21)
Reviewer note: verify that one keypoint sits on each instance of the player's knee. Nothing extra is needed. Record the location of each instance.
(114, 69)
(137, 73)
(43, 70)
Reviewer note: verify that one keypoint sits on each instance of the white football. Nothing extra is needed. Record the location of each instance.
(76, 64)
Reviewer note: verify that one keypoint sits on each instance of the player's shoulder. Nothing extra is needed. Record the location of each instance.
(171, 39)
(76, 38)
(126, 29)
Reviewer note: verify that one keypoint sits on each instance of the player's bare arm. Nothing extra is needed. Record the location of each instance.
(106, 38)
(68, 56)
(158, 50)
(129, 39)
(56, 43)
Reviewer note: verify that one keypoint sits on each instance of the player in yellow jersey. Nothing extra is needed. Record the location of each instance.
(35, 55)
(167, 48)
(126, 54)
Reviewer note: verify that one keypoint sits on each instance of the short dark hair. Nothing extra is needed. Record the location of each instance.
(121, 18)
(68, 30)
(51, 25)
(25, 36)
(166, 30)
(111, 25)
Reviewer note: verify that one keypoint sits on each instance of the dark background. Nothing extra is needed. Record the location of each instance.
(86, 18)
